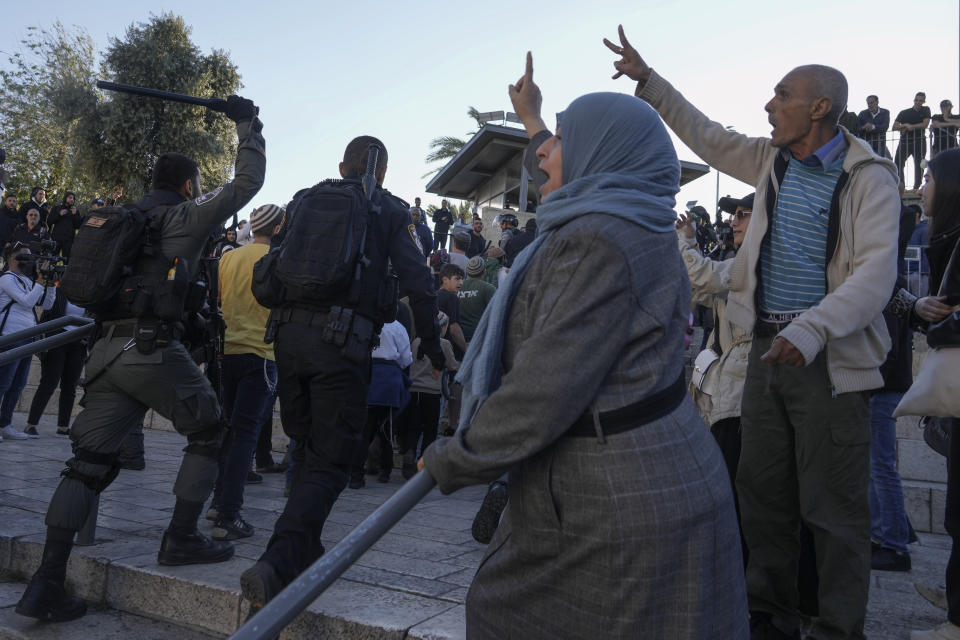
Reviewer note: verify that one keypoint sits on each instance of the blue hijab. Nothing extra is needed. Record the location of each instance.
(617, 160)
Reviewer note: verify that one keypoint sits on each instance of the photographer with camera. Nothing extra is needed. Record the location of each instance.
(19, 294)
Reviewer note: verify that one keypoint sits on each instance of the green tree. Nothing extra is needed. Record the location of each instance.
(45, 93)
(131, 131)
(61, 132)
(446, 147)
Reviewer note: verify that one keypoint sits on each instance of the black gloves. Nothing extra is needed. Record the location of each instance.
(431, 349)
(240, 109)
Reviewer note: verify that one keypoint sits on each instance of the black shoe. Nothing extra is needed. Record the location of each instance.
(357, 481)
(231, 529)
(48, 601)
(488, 517)
(254, 478)
(195, 548)
(883, 559)
(133, 464)
(762, 628)
(259, 584)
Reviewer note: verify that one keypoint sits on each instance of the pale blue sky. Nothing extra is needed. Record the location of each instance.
(325, 72)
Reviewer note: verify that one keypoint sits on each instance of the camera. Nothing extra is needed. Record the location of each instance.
(42, 253)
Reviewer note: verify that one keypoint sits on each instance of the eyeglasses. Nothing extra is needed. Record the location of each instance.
(740, 215)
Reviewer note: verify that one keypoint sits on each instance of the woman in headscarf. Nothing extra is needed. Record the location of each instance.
(620, 520)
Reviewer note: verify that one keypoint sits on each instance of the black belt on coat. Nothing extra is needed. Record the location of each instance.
(653, 407)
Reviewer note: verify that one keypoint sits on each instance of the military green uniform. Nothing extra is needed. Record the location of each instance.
(125, 382)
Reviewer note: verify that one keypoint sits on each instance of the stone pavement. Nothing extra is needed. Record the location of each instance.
(411, 584)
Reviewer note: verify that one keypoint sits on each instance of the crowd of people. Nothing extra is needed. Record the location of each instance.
(549, 365)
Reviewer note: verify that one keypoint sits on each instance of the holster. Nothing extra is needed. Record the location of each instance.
(350, 331)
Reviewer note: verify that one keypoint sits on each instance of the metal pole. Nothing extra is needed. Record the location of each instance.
(87, 534)
(298, 595)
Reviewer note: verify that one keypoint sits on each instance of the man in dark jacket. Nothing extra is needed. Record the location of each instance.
(442, 219)
(38, 201)
(478, 243)
(63, 222)
(9, 219)
(517, 243)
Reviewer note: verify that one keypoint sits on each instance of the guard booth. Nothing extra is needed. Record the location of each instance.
(489, 172)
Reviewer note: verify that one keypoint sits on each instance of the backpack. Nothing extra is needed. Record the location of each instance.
(104, 252)
(322, 251)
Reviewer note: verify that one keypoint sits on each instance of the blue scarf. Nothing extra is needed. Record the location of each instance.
(617, 160)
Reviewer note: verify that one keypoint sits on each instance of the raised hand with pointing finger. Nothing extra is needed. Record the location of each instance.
(526, 99)
(630, 63)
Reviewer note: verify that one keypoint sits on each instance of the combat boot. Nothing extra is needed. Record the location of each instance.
(259, 584)
(46, 599)
(193, 548)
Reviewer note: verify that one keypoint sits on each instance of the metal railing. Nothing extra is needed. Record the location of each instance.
(308, 586)
(82, 327)
(79, 328)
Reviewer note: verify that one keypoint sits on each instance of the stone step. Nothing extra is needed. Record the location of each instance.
(103, 624)
(122, 575)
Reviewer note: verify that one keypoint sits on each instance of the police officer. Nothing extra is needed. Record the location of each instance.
(138, 364)
(323, 390)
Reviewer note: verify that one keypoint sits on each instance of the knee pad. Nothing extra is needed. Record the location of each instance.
(206, 443)
(95, 482)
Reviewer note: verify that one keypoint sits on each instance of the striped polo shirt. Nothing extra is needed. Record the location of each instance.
(793, 255)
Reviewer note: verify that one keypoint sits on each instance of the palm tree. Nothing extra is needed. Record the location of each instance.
(446, 147)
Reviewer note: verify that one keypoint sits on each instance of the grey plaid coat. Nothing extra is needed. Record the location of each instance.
(632, 538)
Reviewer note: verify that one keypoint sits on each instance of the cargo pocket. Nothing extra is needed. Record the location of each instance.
(196, 409)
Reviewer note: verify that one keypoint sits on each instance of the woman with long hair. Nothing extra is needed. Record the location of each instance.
(620, 520)
(941, 202)
(19, 294)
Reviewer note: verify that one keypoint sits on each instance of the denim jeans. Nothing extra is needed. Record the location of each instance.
(248, 385)
(13, 378)
(888, 517)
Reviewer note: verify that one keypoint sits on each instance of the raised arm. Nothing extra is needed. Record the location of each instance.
(527, 100)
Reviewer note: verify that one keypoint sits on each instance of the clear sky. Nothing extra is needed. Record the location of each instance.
(324, 72)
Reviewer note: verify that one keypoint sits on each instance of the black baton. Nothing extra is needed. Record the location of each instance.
(214, 104)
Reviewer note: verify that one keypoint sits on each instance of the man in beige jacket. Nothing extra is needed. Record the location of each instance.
(813, 274)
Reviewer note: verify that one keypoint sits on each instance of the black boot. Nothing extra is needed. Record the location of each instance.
(45, 597)
(192, 548)
(259, 584)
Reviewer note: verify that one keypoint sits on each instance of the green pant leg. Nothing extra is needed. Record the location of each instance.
(767, 490)
(107, 416)
(170, 382)
(833, 470)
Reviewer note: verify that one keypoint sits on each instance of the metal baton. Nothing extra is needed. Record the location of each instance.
(214, 104)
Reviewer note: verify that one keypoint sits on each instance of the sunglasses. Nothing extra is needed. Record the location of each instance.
(740, 215)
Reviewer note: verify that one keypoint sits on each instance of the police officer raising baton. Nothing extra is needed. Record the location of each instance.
(139, 361)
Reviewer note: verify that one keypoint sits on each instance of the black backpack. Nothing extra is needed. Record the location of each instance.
(322, 251)
(103, 254)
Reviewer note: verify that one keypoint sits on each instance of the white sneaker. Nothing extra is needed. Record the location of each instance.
(10, 433)
(946, 631)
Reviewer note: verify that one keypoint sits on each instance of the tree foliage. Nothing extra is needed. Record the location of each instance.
(45, 93)
(133, 131)
(446, 147)
(61, 132)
